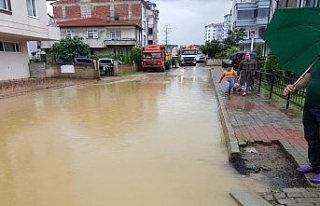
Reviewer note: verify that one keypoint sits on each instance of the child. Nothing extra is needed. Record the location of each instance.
(228, 78)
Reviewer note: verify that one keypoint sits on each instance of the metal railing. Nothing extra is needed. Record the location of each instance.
(275, 83)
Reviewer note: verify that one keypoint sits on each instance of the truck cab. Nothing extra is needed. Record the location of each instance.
(187, 55)
(154, 58)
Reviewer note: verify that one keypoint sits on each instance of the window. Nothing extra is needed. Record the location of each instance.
(150, 31)
(9, 47)
(263, 13)
(115, 35)
(5, 6)
(31, 7)
(246, 14)
(70, 34)
(92, 34)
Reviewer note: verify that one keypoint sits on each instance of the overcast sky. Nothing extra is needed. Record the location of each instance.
(187, 18)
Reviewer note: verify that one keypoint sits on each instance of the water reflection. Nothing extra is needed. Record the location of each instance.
(151, 142)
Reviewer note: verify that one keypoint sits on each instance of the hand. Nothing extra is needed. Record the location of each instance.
(289, 89)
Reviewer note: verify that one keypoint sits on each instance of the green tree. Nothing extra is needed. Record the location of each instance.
(69, 48)
(260, 58)
(272, 63)
(212, 48)
(231, 42)
(134, 56)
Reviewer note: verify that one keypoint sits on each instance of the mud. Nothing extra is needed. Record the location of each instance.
(269, 165)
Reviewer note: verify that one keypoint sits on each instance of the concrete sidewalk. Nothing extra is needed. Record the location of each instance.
(256, 119)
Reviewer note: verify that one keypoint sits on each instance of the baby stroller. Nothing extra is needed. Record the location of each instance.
(237, 86)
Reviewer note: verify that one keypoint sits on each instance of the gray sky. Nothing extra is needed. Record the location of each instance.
(187, 18)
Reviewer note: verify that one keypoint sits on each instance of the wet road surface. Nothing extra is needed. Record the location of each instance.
(152, 141)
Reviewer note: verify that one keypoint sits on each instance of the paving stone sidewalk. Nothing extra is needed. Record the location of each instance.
(255, 118)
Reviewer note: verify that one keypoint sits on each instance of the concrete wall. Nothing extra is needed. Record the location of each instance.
(214, 62)
(40, 70)
(124, 68)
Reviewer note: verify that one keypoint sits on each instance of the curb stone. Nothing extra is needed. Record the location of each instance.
(231, 140)
(248, 198)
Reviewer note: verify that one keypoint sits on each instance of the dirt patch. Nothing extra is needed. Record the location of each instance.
(11, 88)
(269, 165)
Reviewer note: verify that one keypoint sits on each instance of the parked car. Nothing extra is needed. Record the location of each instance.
(106, 66)
(233, 56)
(82, 61)
(201, 57)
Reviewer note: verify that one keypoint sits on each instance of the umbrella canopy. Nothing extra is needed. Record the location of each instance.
(293, 36)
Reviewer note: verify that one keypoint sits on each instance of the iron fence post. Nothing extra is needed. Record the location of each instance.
(271, 86)
(260, 80)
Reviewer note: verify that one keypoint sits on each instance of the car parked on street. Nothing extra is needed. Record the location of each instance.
(106, 66)
(201, 57)
(233, 56)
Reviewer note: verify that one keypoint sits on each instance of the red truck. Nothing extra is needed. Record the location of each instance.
(154, 58)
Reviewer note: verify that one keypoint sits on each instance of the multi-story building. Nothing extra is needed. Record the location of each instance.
(122, 23)
(153, 18)
(253, 16)
(227, 25)
(218, 31)
(21, 21)
(214, 32)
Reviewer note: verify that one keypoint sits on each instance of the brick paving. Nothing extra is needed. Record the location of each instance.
(257, 119)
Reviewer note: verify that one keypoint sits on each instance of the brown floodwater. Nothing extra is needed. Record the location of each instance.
(154, 140)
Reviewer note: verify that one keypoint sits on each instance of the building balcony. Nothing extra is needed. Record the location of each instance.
(121, 42)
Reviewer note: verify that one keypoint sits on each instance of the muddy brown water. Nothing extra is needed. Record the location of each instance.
(155, 140)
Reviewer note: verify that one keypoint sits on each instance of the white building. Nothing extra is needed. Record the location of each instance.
(253, 16)
(227, 24)
(214, 31)
(153, 18)
(21, 21)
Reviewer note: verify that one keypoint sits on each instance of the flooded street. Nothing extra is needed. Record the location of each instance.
(153, 141)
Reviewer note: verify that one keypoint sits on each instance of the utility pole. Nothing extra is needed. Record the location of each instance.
(167, 30)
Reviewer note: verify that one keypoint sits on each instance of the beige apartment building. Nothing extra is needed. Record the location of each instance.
(21, 21)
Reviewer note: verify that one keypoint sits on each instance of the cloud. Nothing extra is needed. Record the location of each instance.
(188, 18)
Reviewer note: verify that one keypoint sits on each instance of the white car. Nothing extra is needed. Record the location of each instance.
(201, 57)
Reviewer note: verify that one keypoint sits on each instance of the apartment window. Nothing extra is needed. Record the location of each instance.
(92, 34)
(263, 13)
(150, 31)
(115, 35)
(5, 6)
(70, 34)
(9, 47)
(31, 7)
(246, 14)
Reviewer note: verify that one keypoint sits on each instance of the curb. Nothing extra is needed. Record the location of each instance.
(231, 140)
(248, 198)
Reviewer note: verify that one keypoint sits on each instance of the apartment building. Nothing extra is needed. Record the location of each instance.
(133, 22)
(253, 16)
(21, 21)
(153, 19)
(218, 31)
(214, 32)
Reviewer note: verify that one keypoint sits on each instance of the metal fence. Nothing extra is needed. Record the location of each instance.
(275, 83)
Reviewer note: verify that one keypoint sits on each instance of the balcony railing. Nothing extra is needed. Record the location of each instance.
(121, 42)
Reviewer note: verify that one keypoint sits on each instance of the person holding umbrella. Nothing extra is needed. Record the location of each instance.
(247, 69)
(293, 37)
(311, 119)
